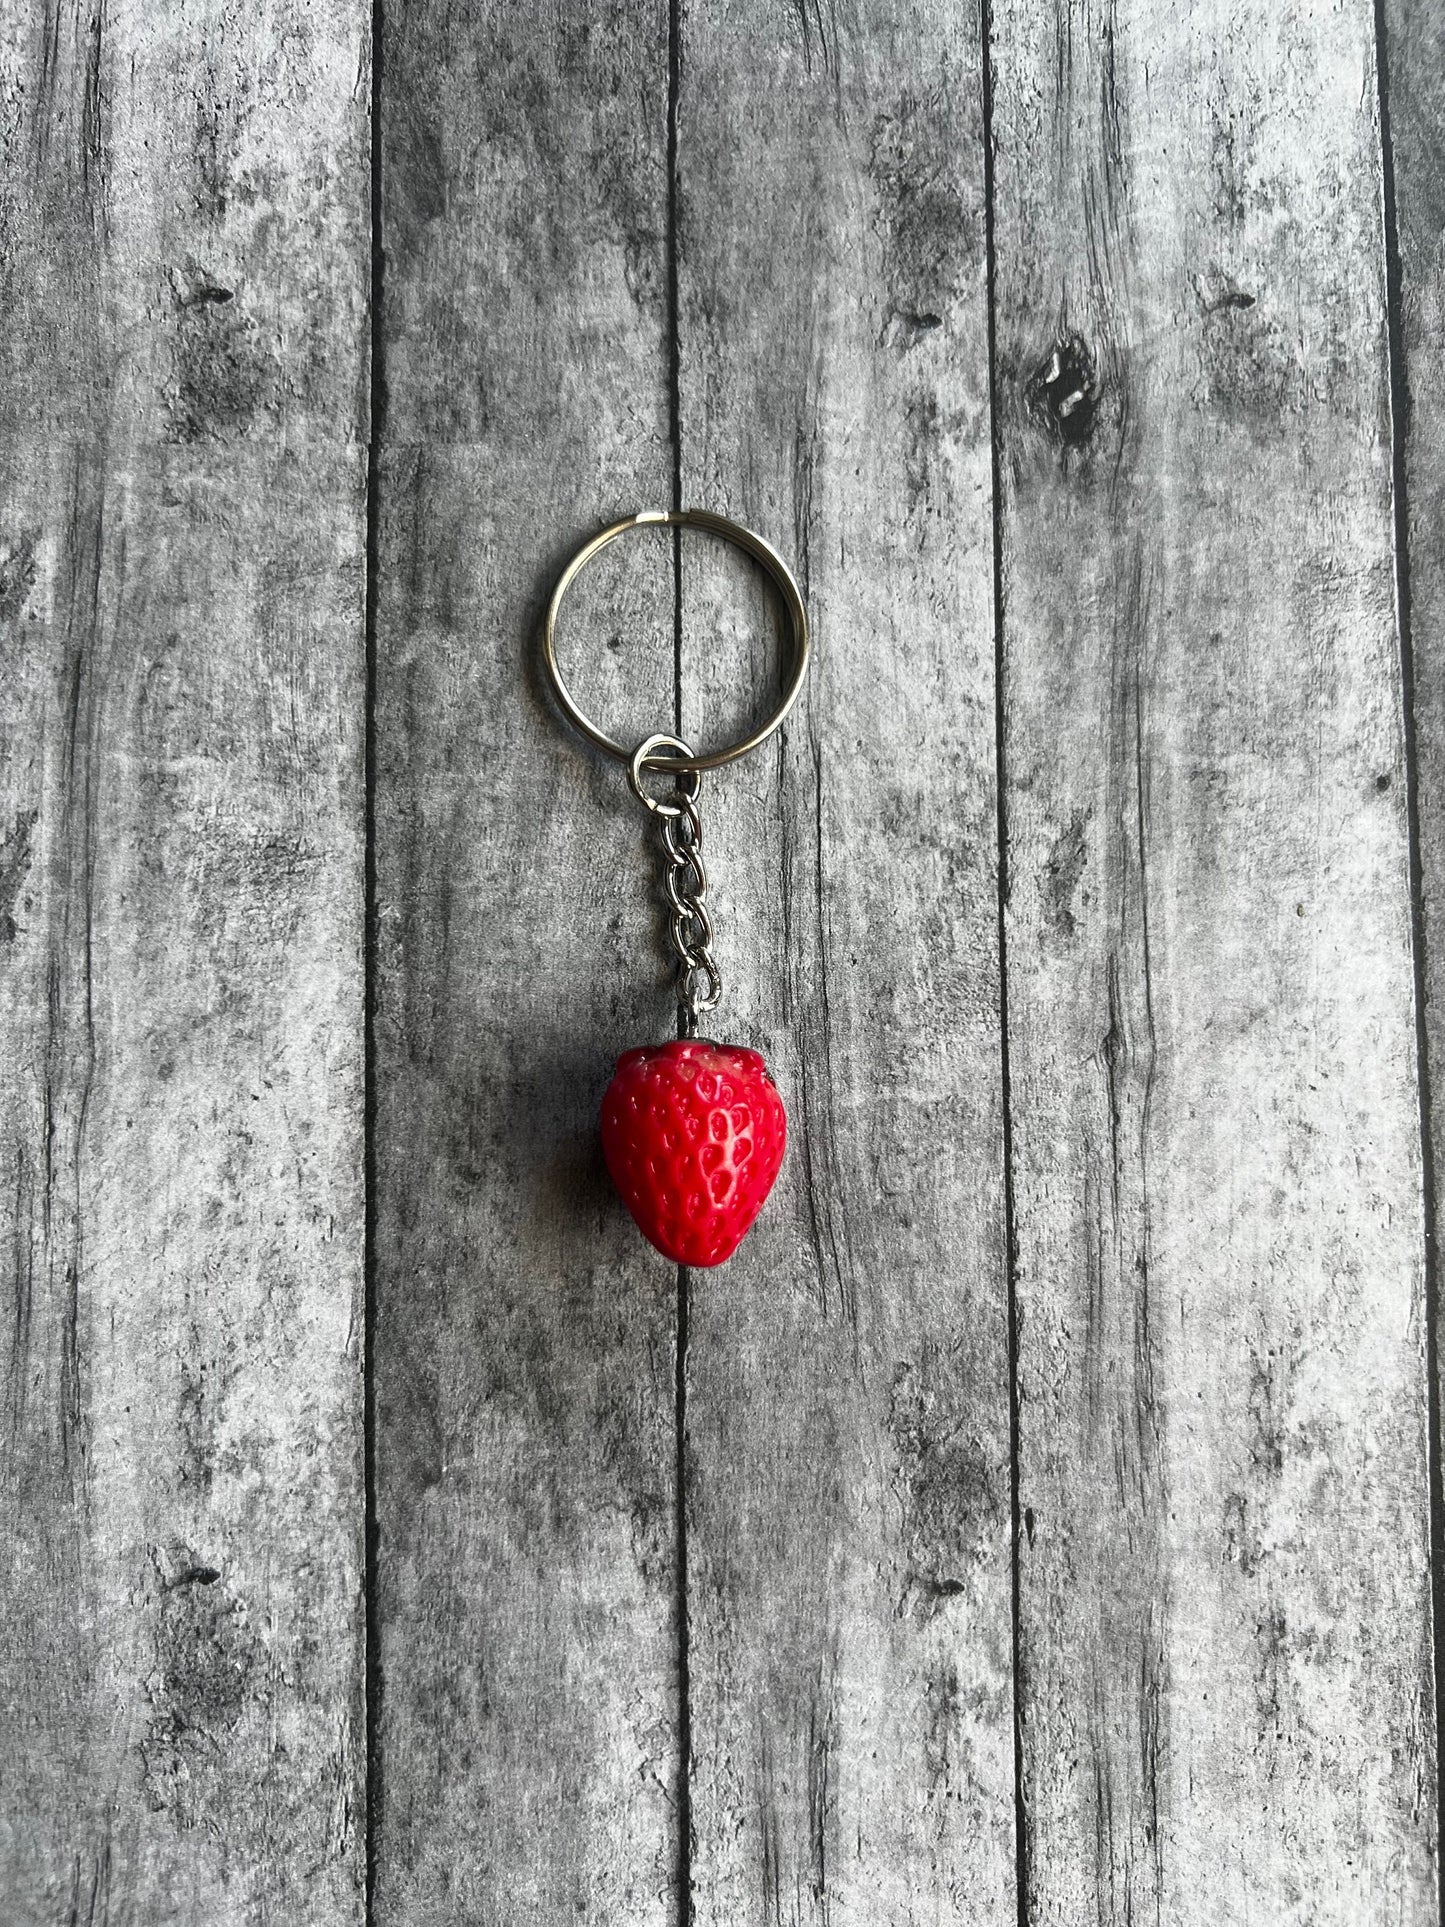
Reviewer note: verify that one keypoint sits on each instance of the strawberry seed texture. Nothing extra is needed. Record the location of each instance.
(693, 1133)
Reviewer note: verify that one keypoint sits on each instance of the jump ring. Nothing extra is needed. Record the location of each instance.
(640, 761)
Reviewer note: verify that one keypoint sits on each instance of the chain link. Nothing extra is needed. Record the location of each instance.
(699, 981)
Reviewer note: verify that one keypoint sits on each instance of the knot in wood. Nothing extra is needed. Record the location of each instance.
(1064, 390)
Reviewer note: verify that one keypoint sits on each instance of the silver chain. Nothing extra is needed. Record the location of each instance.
(699, 981)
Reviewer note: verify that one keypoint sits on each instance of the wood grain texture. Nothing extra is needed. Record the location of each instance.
(746, 252)
(1412, 63)
(848, 1479)
(182, 268)
(525, 1449)
(1225, 1666)
(183, 238)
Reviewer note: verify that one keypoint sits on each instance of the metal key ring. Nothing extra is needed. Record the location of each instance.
(761, 552)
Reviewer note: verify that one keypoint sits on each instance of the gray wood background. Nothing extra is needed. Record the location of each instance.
(1040, 1521)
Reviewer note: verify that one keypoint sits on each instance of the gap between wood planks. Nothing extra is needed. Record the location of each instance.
(1021, 1834)
(685, 1908)
(374, 1684)
(371, 1664)
(1400, 503)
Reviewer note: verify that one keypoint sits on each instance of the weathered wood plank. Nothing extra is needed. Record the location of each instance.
(1412, 63)
(1225, 1666)
(183, 278)
(185, 213)
(848, 1477)
(524, 1351)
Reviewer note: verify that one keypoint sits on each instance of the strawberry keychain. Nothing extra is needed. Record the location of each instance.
(693, 1131)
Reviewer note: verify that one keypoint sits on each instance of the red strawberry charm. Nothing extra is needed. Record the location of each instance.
(693, 1133)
